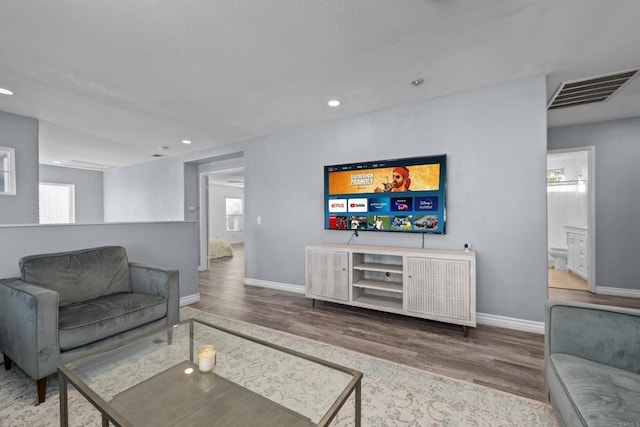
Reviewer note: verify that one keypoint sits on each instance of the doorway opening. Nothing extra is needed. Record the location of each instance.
(222, 225)
(571, 219)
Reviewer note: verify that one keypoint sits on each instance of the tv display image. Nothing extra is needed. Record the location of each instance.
(398, 195)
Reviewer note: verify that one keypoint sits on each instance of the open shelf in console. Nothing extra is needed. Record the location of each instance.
(377, 262)
(373, 266)
(377, 300)
(380, 285)
(377, 272)
(377, 280)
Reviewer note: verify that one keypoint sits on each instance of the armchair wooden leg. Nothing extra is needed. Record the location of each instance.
(41, 384)
(42, 389)
(7, 362)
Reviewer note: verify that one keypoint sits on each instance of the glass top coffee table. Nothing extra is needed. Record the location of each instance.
(156, 381)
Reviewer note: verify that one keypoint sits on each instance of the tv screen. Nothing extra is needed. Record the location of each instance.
(400, 195)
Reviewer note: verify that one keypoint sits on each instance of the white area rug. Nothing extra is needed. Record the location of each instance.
(392, 394)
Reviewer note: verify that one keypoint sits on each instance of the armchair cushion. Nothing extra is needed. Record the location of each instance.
(89, 321)
(604, 395)
(106, 269)
(608, 335)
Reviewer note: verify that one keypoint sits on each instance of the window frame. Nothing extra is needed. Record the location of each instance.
(10, 154)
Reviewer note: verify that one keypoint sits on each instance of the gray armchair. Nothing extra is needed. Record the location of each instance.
(70, 304)
(592, 364)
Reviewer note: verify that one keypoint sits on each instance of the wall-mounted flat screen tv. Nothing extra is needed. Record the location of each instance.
(400, 195)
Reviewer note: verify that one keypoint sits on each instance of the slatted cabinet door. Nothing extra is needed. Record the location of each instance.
(440, 289)
(327, 274)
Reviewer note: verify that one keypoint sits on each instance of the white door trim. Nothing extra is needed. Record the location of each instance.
(591, 194)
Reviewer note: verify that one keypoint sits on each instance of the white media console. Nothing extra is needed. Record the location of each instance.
(431, 284)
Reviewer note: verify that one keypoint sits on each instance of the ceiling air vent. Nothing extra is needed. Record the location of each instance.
(587, 91)
(161, 148)
(80, 164)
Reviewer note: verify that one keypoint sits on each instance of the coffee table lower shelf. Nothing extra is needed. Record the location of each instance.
(205, 399)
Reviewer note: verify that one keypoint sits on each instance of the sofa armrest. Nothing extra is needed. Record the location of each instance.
(600, 333)
(29, 327)
(163, 282)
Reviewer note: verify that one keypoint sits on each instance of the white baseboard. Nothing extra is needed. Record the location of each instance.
(189, 299)
(274, 285)
(618, 292)
(485, 319)
(510, 323)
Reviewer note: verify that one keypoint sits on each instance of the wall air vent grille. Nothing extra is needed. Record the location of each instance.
(590, 90)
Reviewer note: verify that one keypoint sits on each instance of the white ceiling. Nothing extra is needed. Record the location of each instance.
(113, 81)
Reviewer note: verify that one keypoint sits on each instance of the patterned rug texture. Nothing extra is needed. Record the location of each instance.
(392, 394)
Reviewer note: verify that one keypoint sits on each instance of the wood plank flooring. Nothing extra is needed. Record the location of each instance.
(504, 359)
(564, 279)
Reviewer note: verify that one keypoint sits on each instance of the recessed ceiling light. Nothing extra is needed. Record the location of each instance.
(186, 141)
(417, 82)
(334, 103)
(4, 91)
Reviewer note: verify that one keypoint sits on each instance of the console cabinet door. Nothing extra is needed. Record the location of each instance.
(327, 274)
(439, 288)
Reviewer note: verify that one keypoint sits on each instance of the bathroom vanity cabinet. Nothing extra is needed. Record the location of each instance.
(578, 251)
(432, 284)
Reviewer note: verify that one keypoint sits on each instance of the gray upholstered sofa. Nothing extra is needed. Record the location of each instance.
(70, 304)
(592, 364)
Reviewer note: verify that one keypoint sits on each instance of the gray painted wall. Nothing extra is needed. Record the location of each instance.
(151, 191)
(168, 245)
(88, 190)
(617, 176)
(191, 197)
(496, 142)
(21, 133)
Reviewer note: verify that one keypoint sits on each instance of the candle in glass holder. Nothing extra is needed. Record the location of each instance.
(206, 358)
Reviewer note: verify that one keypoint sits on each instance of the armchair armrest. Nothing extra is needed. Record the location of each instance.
(600, 333)
(29, 327)
(164, 282)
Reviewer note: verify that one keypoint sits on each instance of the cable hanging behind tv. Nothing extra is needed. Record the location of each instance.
(398, 195)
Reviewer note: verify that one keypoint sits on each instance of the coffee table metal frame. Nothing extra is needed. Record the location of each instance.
(67, 376)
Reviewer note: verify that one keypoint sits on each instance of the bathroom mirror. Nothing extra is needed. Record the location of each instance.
(7, 171)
